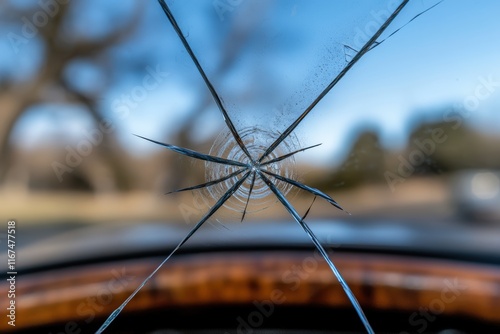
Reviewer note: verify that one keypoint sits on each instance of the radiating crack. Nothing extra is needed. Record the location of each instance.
(247, 166)
(256, 140)
(349, 51)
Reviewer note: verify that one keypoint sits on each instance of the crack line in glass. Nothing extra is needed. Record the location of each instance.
(249, 162)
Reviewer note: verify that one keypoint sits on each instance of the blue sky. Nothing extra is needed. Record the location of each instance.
(295, 48)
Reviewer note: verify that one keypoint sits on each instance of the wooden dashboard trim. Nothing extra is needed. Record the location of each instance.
(382, 282)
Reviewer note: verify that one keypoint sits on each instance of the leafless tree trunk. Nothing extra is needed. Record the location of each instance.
(17, 97)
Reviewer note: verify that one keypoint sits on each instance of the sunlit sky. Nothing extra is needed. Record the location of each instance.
(441, 59)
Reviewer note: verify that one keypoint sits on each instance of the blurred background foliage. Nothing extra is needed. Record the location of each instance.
(70, 65)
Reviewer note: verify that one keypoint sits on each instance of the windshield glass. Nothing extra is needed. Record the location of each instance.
(364, 113)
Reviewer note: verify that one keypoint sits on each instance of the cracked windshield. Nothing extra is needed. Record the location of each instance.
(250, 166)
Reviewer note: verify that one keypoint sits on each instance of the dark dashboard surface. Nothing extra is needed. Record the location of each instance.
(94, 243)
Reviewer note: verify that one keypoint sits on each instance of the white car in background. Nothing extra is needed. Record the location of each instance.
(476, 194)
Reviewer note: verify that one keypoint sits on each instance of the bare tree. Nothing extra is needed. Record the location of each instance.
(238, 34)
(48, 84)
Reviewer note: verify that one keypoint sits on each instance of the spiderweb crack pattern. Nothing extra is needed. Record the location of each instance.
(250, 164)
